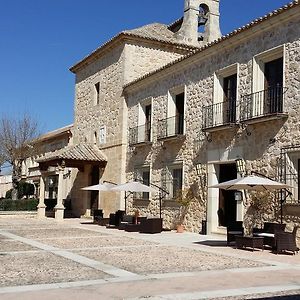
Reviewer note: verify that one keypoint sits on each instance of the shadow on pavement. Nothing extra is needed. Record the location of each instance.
(213, 243)
(290, 297)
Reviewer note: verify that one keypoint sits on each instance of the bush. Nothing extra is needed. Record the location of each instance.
(25, 189)
(8, 194)
(18, 205)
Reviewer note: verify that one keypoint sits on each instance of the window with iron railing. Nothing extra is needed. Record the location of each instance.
(222, 112)
(219, 114)
(170, 127)
(140, 134)
(263, 103)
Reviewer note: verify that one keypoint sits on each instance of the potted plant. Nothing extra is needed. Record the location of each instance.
(183, 198)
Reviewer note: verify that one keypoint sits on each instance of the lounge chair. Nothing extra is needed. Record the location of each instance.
(233, 229)
(268, 232)
(286, 241)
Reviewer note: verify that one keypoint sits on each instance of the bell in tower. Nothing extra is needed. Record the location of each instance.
(200, 22)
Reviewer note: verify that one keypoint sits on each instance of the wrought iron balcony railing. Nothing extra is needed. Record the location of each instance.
(170, 127)
(264, 103)
(223, 113)
(140, 134)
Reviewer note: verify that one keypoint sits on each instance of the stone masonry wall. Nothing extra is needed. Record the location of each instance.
(123, 63)
(260, 149)
(142, 58)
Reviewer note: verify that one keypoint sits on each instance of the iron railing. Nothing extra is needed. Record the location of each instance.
(288, 171)
(140, 134)
(218, 114)
(263, 103)
(170, 126)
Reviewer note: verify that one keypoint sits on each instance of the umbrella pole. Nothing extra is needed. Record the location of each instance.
(125, 198)
(160, 206)
(281, 212)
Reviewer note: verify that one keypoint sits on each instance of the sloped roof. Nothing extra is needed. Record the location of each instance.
(155, 32)
(55, 133)
(235, 32)
(81, 152)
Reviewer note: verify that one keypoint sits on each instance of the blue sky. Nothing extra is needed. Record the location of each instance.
(41, 39)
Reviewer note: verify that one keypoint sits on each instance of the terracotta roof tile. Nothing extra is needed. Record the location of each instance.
(83, 152)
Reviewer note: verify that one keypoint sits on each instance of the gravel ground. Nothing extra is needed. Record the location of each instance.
(93, 242)
(55, 232)
(165, 259)
(10, 245)
(29, 268)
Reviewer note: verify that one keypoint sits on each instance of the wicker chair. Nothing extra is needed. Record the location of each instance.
(286, 241)
(233, 229)
(268, 232)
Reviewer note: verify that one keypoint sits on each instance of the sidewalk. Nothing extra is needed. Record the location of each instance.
(108, 258)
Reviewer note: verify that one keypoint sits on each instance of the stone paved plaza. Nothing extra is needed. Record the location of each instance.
(75, 259)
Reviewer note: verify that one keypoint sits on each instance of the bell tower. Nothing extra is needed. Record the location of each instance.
(201, 22)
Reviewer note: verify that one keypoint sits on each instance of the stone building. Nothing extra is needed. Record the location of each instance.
(234, 98)
(159, 102)
(5, 184)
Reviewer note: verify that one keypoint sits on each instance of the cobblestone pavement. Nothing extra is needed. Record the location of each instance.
(69, 260)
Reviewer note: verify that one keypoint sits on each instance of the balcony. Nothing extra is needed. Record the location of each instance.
(262, 106)
(171, 127)
(140, 134)
(219, 116)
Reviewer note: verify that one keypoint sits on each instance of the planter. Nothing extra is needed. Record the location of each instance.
(180, 228)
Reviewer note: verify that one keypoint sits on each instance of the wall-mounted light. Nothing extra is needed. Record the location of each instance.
(238, 196)
(240, 166)
(199, 169)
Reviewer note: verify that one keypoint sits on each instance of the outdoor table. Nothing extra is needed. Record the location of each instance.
(249, 242)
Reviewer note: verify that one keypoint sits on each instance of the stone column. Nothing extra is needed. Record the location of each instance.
(59, 208)
(41, 213)
(213, 199)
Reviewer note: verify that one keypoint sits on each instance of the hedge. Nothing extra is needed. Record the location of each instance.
(18, 205)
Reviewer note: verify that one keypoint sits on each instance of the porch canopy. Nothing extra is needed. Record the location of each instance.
(75, 156)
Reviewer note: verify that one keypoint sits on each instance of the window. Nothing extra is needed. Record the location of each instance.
(102, 135)
(142, 175)
(144, 121)
(173, 180)
(268, 83)
(142, 132)
(95, 138)
(97, 93)
(223, 109)
(174, 124)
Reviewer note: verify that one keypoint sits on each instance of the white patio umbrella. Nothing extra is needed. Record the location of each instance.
(251, 182)
(133, 186)
(254, 183)
(106, 186)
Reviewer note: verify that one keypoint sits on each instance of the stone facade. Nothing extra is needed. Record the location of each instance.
(259, 142)
(125, 62)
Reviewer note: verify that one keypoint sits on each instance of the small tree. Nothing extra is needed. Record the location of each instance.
(184, 198)
(16, 136)
(261, 208)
